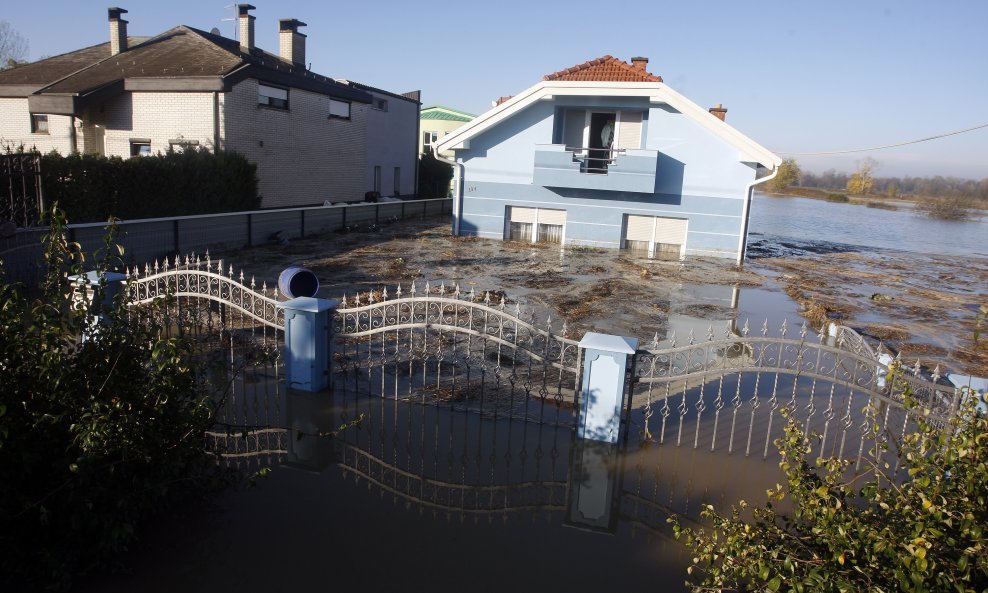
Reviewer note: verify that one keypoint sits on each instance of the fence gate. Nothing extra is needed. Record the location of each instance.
(21, 199)
(237, 330)
(464, 350)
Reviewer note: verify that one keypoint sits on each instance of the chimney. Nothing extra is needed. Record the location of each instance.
(639, 63)
(246, 26)
(292, 42)
(720, 112)
(118, 31)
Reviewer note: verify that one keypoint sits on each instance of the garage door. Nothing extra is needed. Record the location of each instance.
(536, 224)
(655, 236)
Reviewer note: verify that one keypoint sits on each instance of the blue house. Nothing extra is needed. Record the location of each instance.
(605, 154)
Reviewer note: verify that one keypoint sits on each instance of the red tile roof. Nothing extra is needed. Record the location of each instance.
(607, 69)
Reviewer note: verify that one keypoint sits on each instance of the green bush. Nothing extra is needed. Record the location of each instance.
(923, 528)
(835, 197)
(92, 188)
(96, 435)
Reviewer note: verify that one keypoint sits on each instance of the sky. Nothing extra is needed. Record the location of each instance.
(797, 77)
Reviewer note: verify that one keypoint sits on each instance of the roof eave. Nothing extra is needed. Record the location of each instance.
(657, 92)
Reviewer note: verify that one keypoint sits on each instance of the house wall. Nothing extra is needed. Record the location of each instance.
(391, 138)
(15, 128)
(442, 127)
(698, 177)
(159, 117)
(303, 156)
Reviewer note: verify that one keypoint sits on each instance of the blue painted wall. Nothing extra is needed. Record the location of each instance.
(699, 177)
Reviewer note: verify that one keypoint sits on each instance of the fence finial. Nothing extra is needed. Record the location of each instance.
(428, 288)
(672, 339)
(710, 333)
(745, 330)
(412, 291)
(397, 291)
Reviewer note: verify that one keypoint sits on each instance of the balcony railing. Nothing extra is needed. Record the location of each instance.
(609, 169)
(594, 160)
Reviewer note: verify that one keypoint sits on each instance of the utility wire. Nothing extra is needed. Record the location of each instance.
(944, 135)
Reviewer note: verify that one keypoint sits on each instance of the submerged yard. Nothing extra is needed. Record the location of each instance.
(924, 306)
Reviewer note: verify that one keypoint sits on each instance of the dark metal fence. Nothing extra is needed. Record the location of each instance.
(21, 199)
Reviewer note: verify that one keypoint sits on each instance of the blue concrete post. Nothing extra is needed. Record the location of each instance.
(605, 362)
(113, 283)
(308, 347)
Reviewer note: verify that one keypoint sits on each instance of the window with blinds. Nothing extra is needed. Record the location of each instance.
(656, 236)
(536, 224)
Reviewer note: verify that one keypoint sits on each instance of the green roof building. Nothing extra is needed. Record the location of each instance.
(436, 121)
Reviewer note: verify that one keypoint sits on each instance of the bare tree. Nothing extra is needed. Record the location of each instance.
(13, 47)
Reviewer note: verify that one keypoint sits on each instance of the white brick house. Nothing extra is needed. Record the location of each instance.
(312, 138)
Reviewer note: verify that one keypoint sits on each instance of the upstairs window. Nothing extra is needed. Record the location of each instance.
(39, 123)
(270, 96)
(427, 139)
(380, 104)
(339, 109)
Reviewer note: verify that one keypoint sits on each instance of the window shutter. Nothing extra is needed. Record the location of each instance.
(639, 228)
(557, 217)
(519, 214)
(630, 135)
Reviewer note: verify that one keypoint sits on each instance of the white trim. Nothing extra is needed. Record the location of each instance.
(623, 208)
(656, 92)
(594, 224)
(710, 233)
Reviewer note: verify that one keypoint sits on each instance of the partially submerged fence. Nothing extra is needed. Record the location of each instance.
(237, 329)
(473, 352)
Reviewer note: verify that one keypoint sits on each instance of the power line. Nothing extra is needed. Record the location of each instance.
(944, 135)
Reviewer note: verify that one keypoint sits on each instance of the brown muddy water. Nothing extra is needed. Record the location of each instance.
(422, 497)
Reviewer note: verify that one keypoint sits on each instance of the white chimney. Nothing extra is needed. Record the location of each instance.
(292, 42)
(118, 31)
(246, 26)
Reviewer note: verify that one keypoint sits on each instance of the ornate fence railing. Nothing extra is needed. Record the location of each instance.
(237, 330)
(730, 390)
(466, 349)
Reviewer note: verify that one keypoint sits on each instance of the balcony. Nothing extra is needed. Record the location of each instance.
(629, 170)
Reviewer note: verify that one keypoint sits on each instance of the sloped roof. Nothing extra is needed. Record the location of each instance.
(441, 112)
(604, 69)
(182, 56)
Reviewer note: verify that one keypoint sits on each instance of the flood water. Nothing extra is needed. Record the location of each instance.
(430, 497)
(813, 221)
(425, 497)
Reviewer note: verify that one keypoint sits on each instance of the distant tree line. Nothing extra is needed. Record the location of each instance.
(938, 186)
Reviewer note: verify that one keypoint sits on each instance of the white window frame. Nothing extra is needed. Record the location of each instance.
(269, 96)
(534, 238)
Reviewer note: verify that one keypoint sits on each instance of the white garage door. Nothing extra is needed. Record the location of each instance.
(536, 224)
(655, 235)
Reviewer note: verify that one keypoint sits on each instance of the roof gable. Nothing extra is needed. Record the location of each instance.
(604, 69)
(656, 93)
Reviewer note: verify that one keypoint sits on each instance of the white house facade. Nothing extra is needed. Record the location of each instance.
(312, 138)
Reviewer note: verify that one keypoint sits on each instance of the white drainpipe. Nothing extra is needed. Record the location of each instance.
(743, 240)
(456, 187)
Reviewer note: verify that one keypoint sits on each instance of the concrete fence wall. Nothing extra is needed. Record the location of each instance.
(150, 239)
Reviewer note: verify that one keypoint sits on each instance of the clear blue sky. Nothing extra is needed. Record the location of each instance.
(797, 76)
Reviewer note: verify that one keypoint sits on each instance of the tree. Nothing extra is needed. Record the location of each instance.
(434, 177)
(922, 529)
(862, 181)
(96, 435)
(13, 47)
(788, 175)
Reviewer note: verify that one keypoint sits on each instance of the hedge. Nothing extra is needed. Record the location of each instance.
(92, 188)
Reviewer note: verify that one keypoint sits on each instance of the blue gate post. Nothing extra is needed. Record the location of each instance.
(113, 283)
(308, 342)
(605, 362)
